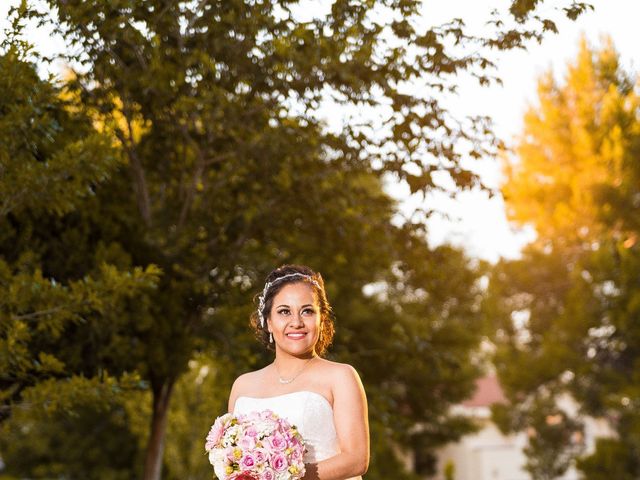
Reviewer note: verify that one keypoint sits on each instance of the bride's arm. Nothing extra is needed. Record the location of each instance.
(352, 427)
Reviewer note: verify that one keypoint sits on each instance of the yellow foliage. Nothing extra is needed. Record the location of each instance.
(122, 123)
(576, 141)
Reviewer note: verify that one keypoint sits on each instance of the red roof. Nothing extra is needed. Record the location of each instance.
(488, 392)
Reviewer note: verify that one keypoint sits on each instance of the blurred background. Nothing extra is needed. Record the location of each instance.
(465, 175)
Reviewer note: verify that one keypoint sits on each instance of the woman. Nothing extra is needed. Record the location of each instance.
(324, 399)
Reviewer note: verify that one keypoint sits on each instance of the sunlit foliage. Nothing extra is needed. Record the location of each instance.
(567, 314)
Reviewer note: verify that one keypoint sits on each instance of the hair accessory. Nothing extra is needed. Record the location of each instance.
(268, 285)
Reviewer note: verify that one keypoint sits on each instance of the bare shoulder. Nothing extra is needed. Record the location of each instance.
(243, 381)
(243, 384)
(341, 375)
(338, 369)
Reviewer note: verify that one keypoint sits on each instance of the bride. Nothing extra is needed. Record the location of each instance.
(324, 399)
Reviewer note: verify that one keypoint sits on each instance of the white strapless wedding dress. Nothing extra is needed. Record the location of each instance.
(309, 411)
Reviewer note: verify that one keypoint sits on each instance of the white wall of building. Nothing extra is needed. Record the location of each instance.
(484, 455)
(489, 455)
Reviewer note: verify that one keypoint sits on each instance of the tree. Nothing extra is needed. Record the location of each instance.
(426, 326)
(213, 106)
(51, 160)
(566, 313)
(77, 428)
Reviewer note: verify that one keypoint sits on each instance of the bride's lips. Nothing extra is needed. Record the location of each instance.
(296, 335)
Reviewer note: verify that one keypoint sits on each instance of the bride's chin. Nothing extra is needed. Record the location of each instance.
(299, 351)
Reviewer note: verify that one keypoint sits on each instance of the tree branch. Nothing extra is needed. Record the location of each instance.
(137, 171)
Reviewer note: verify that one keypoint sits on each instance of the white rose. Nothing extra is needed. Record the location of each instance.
(283, 475)
(219, 462)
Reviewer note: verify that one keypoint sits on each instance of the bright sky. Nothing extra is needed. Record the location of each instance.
(482, 228)
(479, 223)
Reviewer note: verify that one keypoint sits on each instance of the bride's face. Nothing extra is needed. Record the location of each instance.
(294, 319)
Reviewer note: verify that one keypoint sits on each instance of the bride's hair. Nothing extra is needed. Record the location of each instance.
(274, 282)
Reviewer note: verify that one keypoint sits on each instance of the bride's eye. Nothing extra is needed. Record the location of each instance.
(309, 311)
(284, 311)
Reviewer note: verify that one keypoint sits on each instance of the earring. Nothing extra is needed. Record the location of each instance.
(270, 337)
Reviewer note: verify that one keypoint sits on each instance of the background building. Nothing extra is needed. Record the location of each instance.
(489, 454)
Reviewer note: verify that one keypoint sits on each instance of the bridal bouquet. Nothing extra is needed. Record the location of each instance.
(255, 446)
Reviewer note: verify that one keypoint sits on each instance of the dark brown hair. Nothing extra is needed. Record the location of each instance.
(326, 314)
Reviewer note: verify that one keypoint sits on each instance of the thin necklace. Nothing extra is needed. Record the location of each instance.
(285, 381)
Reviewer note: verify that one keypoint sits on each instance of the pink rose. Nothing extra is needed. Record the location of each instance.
(251, 432)
(279, 462)
(247, 443)
(259, 456)
(296, 453)
(247, 462)
(267, 475)
(277, 442)
(266, 414)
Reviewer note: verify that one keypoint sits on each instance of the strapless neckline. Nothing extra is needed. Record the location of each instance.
(306, 392)
(310, 412)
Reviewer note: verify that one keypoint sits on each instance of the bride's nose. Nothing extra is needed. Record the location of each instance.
(297, 320)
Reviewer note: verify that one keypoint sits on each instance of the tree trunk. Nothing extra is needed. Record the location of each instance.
(155, 446)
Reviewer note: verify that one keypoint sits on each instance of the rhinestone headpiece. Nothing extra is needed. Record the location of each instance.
(268, 285)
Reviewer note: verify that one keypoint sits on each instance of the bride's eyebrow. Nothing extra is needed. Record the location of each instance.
(303, 306)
